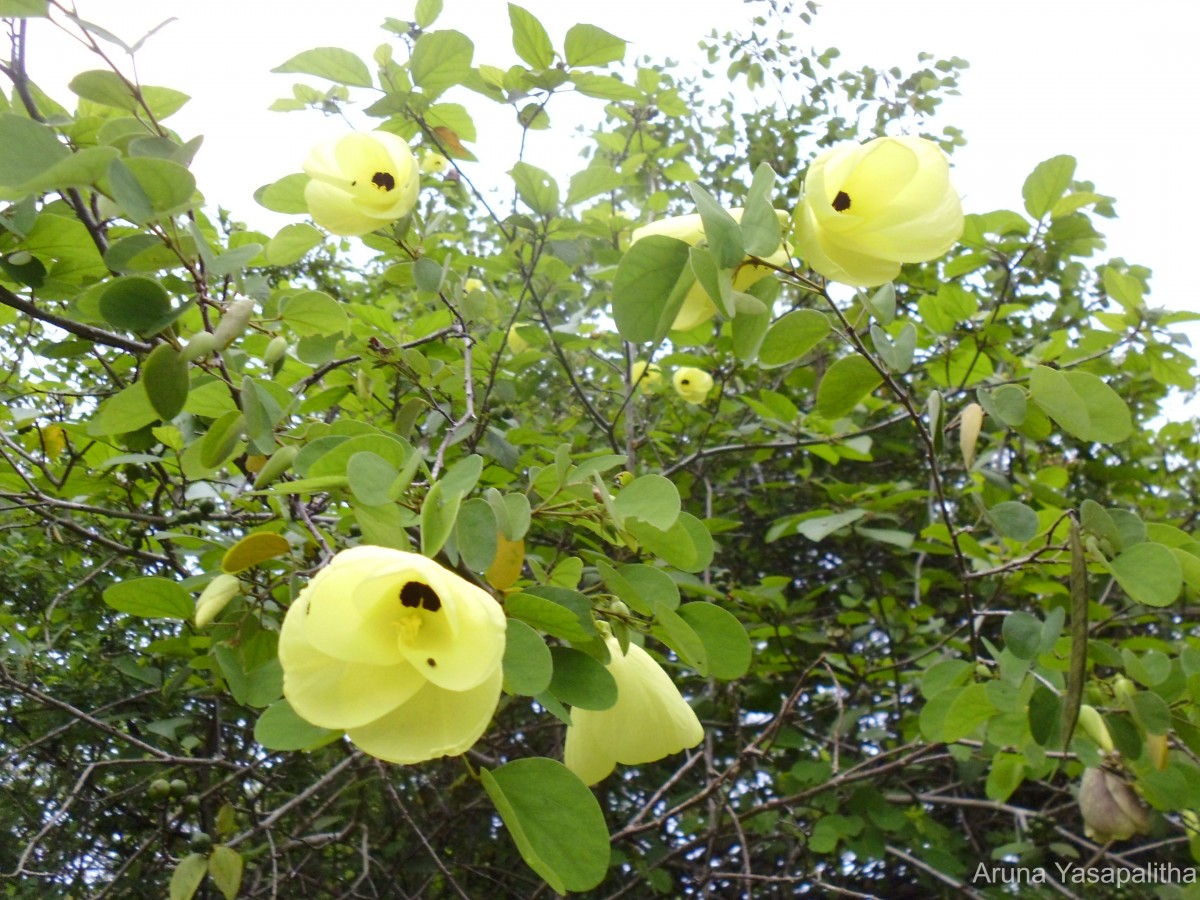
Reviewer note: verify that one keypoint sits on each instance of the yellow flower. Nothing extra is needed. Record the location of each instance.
(650, 719)
(401, 653)
(472, 284)
(360, 182)
(692, 384)
(647, 376)
(433, 163)
(516, 343)
(698, 306)
(869, 207)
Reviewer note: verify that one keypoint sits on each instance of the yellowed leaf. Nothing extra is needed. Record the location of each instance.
(253, 549)
(506, 567)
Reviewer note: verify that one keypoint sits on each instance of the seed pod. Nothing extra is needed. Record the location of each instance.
(216, 596)
(1111, 810)
(233, 322)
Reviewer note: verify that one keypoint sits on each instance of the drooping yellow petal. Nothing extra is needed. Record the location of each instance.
(649, 721)
(334, 693)
(434, 722)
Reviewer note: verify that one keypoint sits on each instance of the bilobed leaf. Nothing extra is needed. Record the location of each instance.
(332, 63)
(221, 439)
(595, 179)
(476, 533)
(315, 313)
(440, 60)
(651, 498)
(370, 476)
(1081, 404)
(166, 184)
(254, 549)
(555, 820)
(186, 878)
(128, 193)
(165, 375)
(536, 188)
(969, 709)
(846, 382)
(721, 231)
(791, 336)
(225, 870)
(529, 38)
(675, 631)
(726, 643)
(1149, 573)
(1014, 520)
(570, 622)
(127, 410)
(1022, 635)
(134, 303)
(652, 279)
(150, 598)
(292, 242)
(581, 680)
(1005, 776)
(587, 45)
(29, 149)
(285, 195)
(528, 664)
(438, 512)
(1046, 184)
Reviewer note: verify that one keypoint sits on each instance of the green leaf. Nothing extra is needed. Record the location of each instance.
(30, 148)
(587, 45)
(440, 60)
(186, 878)
(1014, 520)
(438, 512)
(427, 12)
(791, 336)
(109, 89)
(559, 612)
(292, 243)
(225, 870)
(1046, 184)
(134, 303)
(555, 820)
(128, 193)
(726, 643)
(166, 185)
(686, 545)
(674, 631)
(970, 709)
(475, 534)
(535, 187)
(24, 9)
(1152, 712)
(581, 680)
(370, 476)
(222, 437)
(127, 410)
(529, 38)
(1081, 404)
(652, 280)
(1022, 635)
(846, 382)
(1149, 573)
(1005, 776)
(279, 728)
(722, 233)
(761, 230)
(595, 179)
(528, 665)
(165, 376)
(651, 498)
(285, 195)
(150, 598)
(332, 63)
(315, 313)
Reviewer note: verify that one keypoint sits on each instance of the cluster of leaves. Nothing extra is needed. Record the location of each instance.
(885, 637)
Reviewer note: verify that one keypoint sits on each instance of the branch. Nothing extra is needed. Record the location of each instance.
(88, 332)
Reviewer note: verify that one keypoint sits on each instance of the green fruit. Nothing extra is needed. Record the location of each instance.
(178, 787)
(160, 789)
(191, 803)
(200, 842)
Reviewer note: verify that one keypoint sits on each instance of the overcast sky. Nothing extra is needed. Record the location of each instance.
(1107, 82)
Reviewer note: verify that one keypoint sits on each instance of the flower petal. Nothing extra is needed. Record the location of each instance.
(649, 721)
(344, 625)
(434, 722)
(333, 693)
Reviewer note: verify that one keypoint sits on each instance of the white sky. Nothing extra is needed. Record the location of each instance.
(1108, 82)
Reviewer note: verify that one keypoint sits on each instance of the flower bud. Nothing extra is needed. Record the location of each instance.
(1093, 726)
(970, 424)
(281, 460)
(275, 350)
(215, 598)
(433, 163)
(1111, 810)
(200, 344)
(233, 322)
